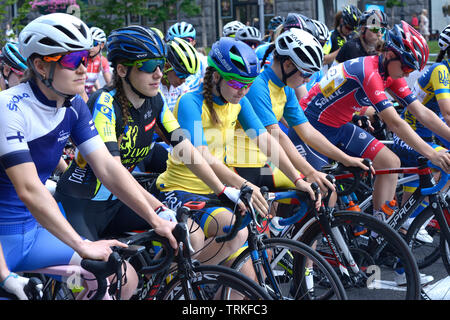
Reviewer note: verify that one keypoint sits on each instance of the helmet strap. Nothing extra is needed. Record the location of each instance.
(48, 81)
(285, 76)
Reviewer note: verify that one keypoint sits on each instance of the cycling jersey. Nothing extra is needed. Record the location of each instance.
(349, 86)
(32, 129)
(352, 49)
(261, 51)
(431, 87)
(79, 180)
(96, 65)
(195, 118)
(271, 99)
(335, 41)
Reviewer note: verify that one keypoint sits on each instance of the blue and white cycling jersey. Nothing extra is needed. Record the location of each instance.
(32, 129)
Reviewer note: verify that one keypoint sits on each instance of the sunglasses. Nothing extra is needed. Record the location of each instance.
(189, 39)
(238, 84)
(305, 75)
(252, 44)
(71, 61)
(376, 30)
(407, 69)
(148, 65)
(178, 74)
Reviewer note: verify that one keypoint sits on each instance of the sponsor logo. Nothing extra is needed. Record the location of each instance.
(12, 104)
(362, 135)
(63, 136)
(14, 137)
(150, 125)
(443, 78)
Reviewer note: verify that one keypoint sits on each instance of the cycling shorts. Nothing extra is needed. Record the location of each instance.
(408, 157)
(350, 138)
(34, 248)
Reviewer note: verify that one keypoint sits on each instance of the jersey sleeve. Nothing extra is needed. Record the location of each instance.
(374, 89)
(401, 90)
(13, 141)
(343, 53)
(189, 114)
(167, 121)
(259, 98)
(249, 120)
(293, 113)
(441, 82)
(105, 64)
(104, 118)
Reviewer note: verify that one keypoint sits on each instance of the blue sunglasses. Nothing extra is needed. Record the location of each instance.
(148, 65)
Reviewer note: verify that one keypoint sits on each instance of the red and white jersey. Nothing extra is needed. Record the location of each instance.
(95, 66)
(350, 86)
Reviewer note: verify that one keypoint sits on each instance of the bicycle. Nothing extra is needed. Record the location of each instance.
(365, 262)
(272, 260)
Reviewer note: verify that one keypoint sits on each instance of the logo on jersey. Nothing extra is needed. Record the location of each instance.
(443, 78)
(12, 104)
(14, 137)
(362, 135)
(63, 136)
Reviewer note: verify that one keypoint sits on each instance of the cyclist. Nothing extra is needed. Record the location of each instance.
(432, 89)
(346, 21)
(230, 29)
(249, 35)
(126, 115)
(210, 115)
(186, 31)
(272, 26)
(297, 55)
(353, 84)
(40, 115)
(182, 61)
(372, 26)
(13, 65)
(97, 62)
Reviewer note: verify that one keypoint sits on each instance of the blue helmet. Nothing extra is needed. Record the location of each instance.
(181, 30)
(234, 60)
(135, 43)
(12, 57)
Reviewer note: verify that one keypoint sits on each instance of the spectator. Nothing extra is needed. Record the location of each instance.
(424, 24)
(415, 21)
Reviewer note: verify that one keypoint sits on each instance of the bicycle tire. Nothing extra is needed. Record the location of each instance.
(294, 275)
(445, 253)
(346, 221)
(425, 254)
(207, 280)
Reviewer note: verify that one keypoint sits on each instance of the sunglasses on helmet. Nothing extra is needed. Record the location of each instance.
(71, 61)
(147, 65)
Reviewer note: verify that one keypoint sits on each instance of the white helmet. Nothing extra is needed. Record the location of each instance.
(302, 47)
(444, 38)
(231, 28)
(98, 34)
(54, 33)
(374, 19)
(248, 33)
(323, 33)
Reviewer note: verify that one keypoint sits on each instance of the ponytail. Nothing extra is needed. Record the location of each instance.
(268, 52)
(208, 85)
(123, 101)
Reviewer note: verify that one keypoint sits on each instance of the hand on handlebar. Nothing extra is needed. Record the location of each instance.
(98, 250)
(307, 187)
(442, 160)
(358, 162)
(321, 179)
(258, 200)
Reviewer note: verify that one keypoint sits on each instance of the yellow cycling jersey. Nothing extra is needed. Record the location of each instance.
(432, 86)
(195, 118)
(271, 100)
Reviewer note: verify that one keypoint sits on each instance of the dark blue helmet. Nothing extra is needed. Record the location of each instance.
(135, 43)
(234, 60)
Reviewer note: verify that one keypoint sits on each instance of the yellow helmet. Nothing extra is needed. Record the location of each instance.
(182, 56)
(158, 32)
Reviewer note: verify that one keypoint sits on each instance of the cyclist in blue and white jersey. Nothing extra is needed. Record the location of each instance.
(39, 117)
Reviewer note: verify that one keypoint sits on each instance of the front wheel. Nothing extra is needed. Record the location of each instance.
(387, 249)
(208, 282)
(294, 271)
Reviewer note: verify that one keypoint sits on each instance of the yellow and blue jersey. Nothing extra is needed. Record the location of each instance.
(195, 118)
(431, 87)
(271, 100)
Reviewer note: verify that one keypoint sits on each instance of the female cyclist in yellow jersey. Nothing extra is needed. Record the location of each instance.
(209, 117)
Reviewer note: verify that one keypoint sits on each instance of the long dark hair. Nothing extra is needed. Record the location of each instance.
(123, 101)
(442, 53)
(208, 85)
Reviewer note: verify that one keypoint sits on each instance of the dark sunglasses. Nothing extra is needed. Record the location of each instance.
(148, 65)
(305, 75)
(71, 61)
(376, 30)
(189, 39)
(238, 84)
(407, 69)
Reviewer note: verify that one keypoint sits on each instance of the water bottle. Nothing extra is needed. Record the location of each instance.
(357, 230)
(275, 227)
(387, 209)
